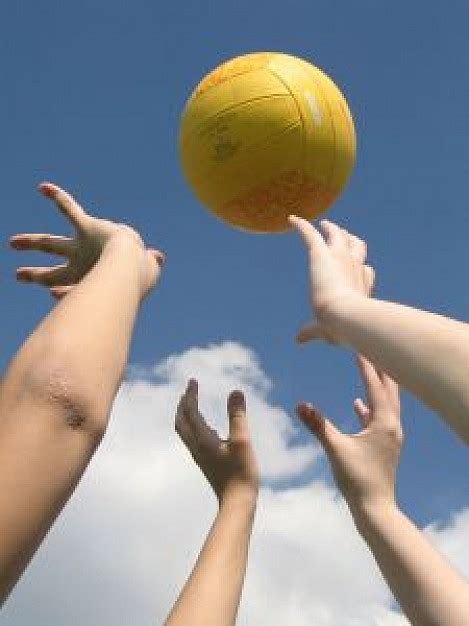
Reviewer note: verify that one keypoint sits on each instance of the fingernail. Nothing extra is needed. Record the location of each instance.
(47, 189)
(236, 400)
(300, 410)
(305, 412)
(160, 258)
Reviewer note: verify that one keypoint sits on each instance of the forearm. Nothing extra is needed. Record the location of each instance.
(426, 353)
(80, 349)
(429, 591)
(212, 593)
(55, 400)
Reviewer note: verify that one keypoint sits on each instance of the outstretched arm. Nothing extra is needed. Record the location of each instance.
(428, 354)
(212, 593)
(57, 393)
(364, 465)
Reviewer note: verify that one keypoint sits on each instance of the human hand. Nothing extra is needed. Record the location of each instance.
(229, 465)
(337, 272)
(364, 464)
(83, 251)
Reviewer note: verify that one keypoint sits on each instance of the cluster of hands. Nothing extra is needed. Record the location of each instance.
(364, 464)
(399, 343)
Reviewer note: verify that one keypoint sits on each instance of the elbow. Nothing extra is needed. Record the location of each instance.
(69, 404)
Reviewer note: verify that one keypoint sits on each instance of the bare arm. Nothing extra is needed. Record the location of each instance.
(212, 593)
(426, 353)
(57, 393)
(429, 591)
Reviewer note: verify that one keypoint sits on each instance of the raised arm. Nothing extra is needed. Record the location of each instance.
(428, 354)
(57, 393)
(212, 593)
(429, 591)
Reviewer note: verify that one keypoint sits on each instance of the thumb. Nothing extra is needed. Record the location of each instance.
(320, 426)
(310, 332)
(156, 260)
(236, 407)
(159, 256)
(59, 292)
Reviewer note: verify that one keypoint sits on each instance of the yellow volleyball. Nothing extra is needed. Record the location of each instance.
(263, 136)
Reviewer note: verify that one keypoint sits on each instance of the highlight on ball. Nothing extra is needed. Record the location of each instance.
(265, 135)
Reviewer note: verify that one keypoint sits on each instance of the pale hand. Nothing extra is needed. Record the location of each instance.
(337, 272)
(83, 251)
(228, 465)
(364, 464)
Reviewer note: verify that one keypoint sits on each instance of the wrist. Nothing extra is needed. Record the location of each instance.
(334, 313)
(123, 238)
(124, 248)
(366, 515)
(239, 497)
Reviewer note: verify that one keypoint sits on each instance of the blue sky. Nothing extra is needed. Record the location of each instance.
(91, 98)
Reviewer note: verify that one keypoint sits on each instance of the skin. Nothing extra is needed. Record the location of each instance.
(212, 593)
(57, 393)
(400, 340)
(364, 465)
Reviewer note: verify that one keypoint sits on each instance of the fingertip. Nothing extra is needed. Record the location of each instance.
(14, 242)
(360, 407)
(359, 359)
(236, 401)
(47, 189)
(302, 410)
(23, 275)
(23, 278)
(308, 333)
(192, 386)
(159, 256)
(300, 338)
(299, 223)
(295, 223)
(307, 413)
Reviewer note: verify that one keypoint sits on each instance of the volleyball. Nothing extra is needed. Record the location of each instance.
(263, 136)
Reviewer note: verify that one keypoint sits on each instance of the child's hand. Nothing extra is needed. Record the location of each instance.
(364, 464)
(228, 465)
(337, 272)
(83, 251)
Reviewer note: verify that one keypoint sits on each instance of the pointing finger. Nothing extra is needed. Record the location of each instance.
(66, 204)
(308, 233)
(319, 425)
(59, 292)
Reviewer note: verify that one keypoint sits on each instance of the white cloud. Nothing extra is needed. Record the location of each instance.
(122, 548)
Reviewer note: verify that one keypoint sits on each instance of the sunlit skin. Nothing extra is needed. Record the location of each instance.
(364, 464)
(212, 593)
(400, 340)
(58, 390)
